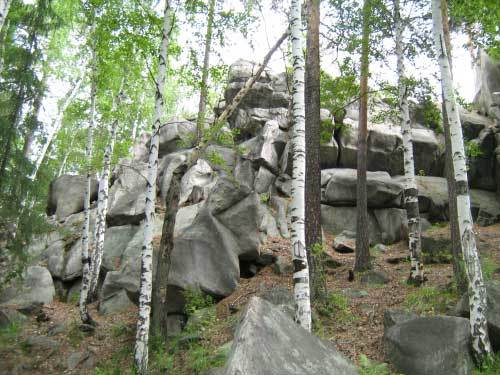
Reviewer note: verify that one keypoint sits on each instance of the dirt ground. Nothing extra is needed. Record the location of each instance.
(356, 328)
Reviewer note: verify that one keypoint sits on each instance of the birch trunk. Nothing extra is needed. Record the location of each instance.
(411, 191)
(65, 159)
(84, 291)
(4, 10)
(202, 107)
(362, 261)
(56, 125)
(301, 269)
(102, 210)
(142, 336)
(477, 291)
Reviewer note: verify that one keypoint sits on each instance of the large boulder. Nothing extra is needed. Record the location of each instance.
(433, 197)
(481, 172)
(488, 86)
(492, 311)
(485, 206)
(66, 195)
(268, 341)
(437, 345)
(200, 177)
(166, 168)
(250, 121)
(385, 151)
(473, 123)
(127, 196)
(35, 287)
(176, 134)
(382, 191)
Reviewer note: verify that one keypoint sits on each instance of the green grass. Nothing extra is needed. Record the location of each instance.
(121, 329)
(113, 365)
(75, 335)
(9, 335)
(429, 300)
(488, 266)
(336, 307)
(369, 367)
(491, 367)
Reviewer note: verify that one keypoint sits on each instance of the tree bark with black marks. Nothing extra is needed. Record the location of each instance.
(411, 191)
(301, 268)
(477, 291)
(362, 261)
(4, 11)
(145, 291)
(314, 240)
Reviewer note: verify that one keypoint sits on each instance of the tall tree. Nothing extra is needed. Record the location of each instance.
(85, 288)
(362, 261)
(411, 191)
(146, 283)
(314, 238)
(202, 107)
(477, 291)
(301, 269)
(4, 10)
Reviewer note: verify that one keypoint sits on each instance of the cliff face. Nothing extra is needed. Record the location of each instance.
(234, 198)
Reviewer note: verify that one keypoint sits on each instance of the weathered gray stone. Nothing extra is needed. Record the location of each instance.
(345, 242)
(485, 206)
(393, 317)
(35, 287)
(199, 176)
(116, 241)
(41, 344)
(66, 195)
(216, 153)
(393, 224)
(166, 168)
(280, 206)
(84, 360)
(263, 180)
(9, 316)
(284, 185)
(258, 346)
(127, 195)
(374, 277)
(433, 197)
(244, 172)
(481, 172)
(115, 303)
(175, 134)
(472, 124)
(430, 346)
(488, 86)
(382, 191)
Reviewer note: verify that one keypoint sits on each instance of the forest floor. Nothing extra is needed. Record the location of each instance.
(352, 318)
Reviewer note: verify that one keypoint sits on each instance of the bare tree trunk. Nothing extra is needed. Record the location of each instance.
(200, 122)
(477, 291)
(411, 191)
(142, 336)
(4, 11)
(314, 239)
(65, 159)
(162, 259)
(301, 272)
(56, 124)
(84, 291)
(362, 261)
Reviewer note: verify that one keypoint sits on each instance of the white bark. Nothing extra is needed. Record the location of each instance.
(56, 125)
(84, 291)
(4, 10)
(411, 191)
(142, 336)
(477, 291)
(301, 272)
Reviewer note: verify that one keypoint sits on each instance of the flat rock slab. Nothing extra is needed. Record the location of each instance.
(268, 341)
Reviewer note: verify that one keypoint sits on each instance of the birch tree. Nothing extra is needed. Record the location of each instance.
(477, 291)
(102, 202)
(301, 271)
(84, 291)
(4, 10)
(362, 261)
(142, 335)
(411, 191)
(202, 107)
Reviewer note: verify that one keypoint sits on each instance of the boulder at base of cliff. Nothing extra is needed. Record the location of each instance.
(437, 345)
(268, 341)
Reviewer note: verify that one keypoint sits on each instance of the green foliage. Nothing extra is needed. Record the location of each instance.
(336, 306)
(9, 335)
(216, 158)
(196, 300)
(427, 111)
(75, 334)
(430, 300)
(369, 367)
(201, 359)
(490, 367)
(472, 149)
(264, 197)
(488, 266)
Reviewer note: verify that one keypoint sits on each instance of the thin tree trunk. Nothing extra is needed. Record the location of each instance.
(362, 261)
(142, 336)
(314, 239)
(411, 191)
(56, 124)
(202, 107)
(301, 269)
(4, 11)
(477, 291)
(85, 288)
(65, 159)
(162, 259)
(230, 108)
